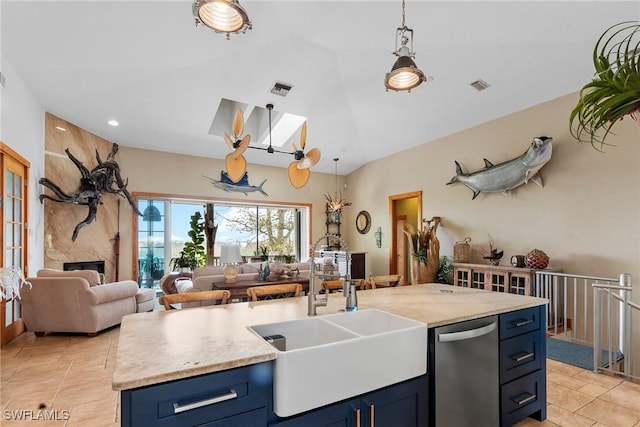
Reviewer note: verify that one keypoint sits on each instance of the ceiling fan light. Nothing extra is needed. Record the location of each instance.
(404, 75)
(222, 16)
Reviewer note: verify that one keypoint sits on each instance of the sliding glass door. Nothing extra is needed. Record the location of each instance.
(262, 232)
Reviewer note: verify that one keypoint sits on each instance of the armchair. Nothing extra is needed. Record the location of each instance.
(75, 301)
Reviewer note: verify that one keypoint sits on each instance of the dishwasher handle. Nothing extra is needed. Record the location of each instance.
(468, 334)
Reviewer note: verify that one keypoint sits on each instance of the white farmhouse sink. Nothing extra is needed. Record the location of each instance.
(334, 357)
(304, 333)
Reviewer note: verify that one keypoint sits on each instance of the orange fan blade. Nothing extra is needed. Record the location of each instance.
(235, 167)
(293, 147)
(303, 136)
(241, 148)
(238, 124)
(298, 177)
(312, 157)
(227, 140)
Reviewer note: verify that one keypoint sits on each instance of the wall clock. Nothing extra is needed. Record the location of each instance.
(363, 222)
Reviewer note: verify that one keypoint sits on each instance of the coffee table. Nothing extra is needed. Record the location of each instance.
(239, 289)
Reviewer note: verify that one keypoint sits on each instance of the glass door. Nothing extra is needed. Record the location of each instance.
(151, 243)
(14, 233)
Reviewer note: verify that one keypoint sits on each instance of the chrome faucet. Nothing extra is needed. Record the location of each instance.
(314, 300)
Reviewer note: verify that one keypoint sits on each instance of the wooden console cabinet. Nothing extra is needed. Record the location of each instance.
(497, 278)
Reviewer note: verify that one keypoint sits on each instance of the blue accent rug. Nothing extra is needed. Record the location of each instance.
(574, 354)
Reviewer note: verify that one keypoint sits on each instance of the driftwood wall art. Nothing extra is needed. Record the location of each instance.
(105, 178)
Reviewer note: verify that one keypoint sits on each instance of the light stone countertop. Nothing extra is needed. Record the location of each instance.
(163, 346)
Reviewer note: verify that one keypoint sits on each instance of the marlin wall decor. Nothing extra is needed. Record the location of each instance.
(508, 175)
(242, 186)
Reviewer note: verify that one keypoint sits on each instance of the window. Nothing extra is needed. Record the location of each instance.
(274, 231)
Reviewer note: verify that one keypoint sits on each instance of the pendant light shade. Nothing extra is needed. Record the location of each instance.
(222, 16)
(405, 74)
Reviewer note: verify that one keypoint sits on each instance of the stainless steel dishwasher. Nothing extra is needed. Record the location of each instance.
(467, 374)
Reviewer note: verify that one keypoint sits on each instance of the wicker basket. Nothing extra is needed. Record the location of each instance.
(462, 251)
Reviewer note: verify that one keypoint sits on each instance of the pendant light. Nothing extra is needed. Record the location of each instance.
(222, 16)
(335, 202)
(405, 74)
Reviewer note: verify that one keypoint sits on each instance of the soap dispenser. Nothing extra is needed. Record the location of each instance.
(352, 298)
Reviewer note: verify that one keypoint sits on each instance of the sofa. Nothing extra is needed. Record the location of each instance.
(76, 301)
(205, 278)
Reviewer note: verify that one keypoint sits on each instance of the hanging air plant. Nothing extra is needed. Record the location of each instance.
(614, 91)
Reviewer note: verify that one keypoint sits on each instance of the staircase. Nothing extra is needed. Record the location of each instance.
(594, 312)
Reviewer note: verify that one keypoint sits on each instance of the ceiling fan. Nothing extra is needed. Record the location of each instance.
(236, 165)
(299, 169)
(235, 162)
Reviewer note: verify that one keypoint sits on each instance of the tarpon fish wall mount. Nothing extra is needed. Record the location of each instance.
(508, 175)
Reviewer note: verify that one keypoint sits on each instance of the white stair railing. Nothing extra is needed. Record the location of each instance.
(605, 296)
(602, 315)
(569, 314)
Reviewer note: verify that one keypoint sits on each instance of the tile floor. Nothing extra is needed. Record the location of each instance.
(71, 376)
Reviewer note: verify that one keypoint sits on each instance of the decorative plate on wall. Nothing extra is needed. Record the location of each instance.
(363, 222)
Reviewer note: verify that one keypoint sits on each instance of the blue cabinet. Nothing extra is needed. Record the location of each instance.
(403, 404)
(523, 378)
(236, 397)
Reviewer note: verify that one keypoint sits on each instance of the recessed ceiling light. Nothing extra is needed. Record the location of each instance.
(60, 128)
(113, 123)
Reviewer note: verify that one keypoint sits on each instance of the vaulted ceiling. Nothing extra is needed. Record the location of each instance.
(146, 65)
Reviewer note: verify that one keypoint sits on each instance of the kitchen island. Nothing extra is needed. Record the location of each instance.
(164, 347)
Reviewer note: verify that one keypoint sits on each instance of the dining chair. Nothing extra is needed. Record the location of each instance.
(387, 281)
(221, 295)
(329, 286)
(257, 293)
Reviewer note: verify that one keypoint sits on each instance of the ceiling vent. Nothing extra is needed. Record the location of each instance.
(479, 85)
(281, 89)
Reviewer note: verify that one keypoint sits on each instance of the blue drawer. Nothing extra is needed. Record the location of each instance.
(520, 355)
(199, 400)
(524, 397)
(520, 322)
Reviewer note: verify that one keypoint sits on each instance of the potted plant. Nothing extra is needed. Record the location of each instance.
(614, 91)
(193, 254)
(182, 263)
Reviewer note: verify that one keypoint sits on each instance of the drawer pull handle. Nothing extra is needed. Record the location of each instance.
(182, 408)
(357, 411)
(372, 415)
(521, 322)
(522, 356)
(524, 400)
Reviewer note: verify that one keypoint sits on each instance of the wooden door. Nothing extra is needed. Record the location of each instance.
(397, 235)
(13, 182)
(401, 249)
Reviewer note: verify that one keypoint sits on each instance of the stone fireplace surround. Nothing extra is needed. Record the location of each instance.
(96, 241)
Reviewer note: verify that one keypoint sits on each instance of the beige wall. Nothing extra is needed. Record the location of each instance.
(586, 218)
(167, 173)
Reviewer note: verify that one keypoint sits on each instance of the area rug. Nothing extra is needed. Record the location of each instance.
(575, 354)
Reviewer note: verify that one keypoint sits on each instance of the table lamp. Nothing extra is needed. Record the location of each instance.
(230, 257)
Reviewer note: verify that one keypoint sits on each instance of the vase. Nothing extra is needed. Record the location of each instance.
(536, 259)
